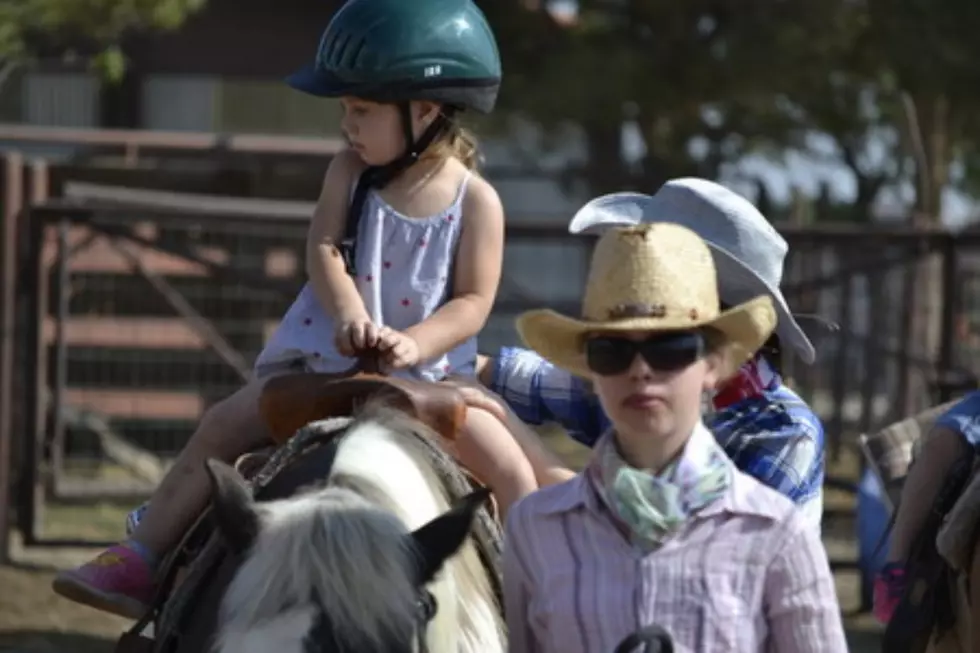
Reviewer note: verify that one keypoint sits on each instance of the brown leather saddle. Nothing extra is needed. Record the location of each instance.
(290, 402)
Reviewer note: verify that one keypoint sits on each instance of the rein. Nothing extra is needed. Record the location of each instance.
(654, 638)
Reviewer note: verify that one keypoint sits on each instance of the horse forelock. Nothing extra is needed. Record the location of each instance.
(333, 548)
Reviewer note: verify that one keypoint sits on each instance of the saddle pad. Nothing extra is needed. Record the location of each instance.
(890, 451)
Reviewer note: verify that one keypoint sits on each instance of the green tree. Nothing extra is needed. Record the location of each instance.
(703, 72)
(87, 28)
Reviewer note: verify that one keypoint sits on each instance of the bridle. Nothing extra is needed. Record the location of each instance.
(427, 608)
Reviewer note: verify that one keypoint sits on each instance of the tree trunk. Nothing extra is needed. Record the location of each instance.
(928, 121)
(604, 171)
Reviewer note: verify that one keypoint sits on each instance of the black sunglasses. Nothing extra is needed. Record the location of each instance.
(668, 352)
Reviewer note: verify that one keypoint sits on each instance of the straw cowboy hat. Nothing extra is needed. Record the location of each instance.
(749, 253)
(655, 277)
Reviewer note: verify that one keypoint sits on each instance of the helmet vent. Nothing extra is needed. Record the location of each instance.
(335, 54)
(355, 51)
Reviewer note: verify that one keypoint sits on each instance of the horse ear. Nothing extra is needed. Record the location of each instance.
(442, 537)
(234, 508)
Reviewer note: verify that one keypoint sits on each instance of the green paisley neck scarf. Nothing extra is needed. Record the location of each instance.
(651, 507)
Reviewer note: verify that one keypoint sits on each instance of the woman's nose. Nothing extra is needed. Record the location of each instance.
(640, 369)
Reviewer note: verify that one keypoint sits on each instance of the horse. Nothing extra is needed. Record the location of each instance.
(354, 546)
(942, 603)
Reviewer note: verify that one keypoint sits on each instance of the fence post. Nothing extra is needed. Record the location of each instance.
(13, 204)
(947, 385)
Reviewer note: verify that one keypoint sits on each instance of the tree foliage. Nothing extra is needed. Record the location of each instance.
(89, 28)
(891, 83)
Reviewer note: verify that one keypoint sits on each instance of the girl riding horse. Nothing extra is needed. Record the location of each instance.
(417, 287)
(661, 527)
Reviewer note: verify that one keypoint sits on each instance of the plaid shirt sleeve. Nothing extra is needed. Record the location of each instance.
(777, 440)
(539, 392)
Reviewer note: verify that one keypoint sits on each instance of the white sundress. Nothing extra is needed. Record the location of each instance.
(404, 274)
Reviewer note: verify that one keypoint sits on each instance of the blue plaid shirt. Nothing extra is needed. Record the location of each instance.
(774, 437)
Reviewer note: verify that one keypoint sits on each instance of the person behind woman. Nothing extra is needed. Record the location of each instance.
(661, 526)
(417, 288)
(766, 428)
(955, 437)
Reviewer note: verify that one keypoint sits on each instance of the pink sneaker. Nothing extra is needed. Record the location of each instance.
(888, 591)
(118, 580)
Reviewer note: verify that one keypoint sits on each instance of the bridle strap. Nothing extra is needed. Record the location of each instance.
(427, 612)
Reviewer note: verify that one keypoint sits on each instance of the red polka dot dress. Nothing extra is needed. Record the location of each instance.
(404, 267)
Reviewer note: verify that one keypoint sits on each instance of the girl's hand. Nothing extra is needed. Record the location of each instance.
(353, 337)
(398, 351)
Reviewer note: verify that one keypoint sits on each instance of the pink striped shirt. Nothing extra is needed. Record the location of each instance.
(746, 574)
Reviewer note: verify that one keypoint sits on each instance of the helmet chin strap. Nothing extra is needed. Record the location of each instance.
(413, 147)
(381, 176)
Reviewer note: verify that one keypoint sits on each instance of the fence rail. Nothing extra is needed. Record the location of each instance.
(137, 308)
(133, 143)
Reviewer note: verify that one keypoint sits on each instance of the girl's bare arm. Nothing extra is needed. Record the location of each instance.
(333, 287)
(479, 259)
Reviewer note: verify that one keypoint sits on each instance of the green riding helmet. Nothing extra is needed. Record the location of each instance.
(400, 50)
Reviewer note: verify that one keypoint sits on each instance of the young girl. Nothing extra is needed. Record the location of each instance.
(661, 528)
(415, 290)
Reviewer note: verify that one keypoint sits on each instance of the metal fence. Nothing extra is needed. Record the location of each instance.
(136, 319)
(133, 315)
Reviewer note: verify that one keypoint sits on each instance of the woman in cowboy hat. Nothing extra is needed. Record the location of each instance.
(766, 428)
(661, 526)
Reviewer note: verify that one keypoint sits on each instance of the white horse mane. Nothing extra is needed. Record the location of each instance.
(347, 545)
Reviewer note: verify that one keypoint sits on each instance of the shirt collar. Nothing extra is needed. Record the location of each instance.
(753, 379)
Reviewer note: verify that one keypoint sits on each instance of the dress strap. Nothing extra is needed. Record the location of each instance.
(461, 193)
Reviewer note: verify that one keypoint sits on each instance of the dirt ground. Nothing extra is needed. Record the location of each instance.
(34, 620)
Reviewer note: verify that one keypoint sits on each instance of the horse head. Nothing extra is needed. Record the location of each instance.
(335, 568)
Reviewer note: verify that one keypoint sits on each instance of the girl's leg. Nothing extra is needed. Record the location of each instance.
(926, 477)
(120, 580)
(487, 447)
(548, 468)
